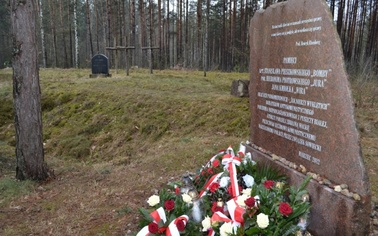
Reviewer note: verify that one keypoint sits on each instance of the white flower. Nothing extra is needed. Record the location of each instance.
(226, 229)
(247, 192)
(186, 198)
(248, 180)
(223, 183)
(248, 158)
(241, 200)
(262, 220)
(206, 224)
(153, 200)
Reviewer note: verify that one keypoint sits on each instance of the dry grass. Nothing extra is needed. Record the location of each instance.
(114, 141)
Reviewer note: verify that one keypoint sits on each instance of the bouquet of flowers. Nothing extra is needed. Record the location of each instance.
(230, 195)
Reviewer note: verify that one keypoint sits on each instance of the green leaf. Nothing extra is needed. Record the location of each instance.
(252, 231)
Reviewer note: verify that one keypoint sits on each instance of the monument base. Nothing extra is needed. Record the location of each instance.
(99, 75)
(331, 213)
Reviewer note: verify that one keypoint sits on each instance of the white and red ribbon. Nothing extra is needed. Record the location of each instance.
(213, 179)
(210, 162)
(220, 217)
(230, 161)
(172, 229)
(157, 216)
(236, 212)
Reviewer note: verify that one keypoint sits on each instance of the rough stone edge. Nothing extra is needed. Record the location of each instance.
(343, 215)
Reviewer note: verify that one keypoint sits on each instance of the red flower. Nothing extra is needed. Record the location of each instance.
(210, 171)
(269, 184)
(250, 202)
(215, 208)
(153, 228)
(169, 205)
(162, 230)
(216, 163)
(214, 187)
(177, 190)
(285, 209)
(180, 224)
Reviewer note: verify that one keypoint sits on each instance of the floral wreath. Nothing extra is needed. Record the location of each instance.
(230, 195)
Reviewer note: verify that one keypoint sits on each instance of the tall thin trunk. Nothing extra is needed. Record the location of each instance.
(372, 37)
(142, 33)
(206, 50)
(70, 30)
(149, 38)
(179, 30)
(340, 14)
(89, 31)
(168, 36)
(53, 33)
(332, 7)
(76, 36)
(186, 57)
(242, 36)
(233, 33)
(132, 28)
(160, 26)
(267, 3)
(199, 31)
(361, 29)
(27, 94)
(43, 47)
(62, 26)
(224, 36)
(109, 23)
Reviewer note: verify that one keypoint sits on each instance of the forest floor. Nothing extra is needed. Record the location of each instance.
(113, 142)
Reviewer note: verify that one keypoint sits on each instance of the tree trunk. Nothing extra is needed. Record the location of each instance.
(76, 36)
(179, 32)
(160, 35)
(199, 31)
(70, 30)
(53, 32)
(267, 3)
(43, 47)
(89, 31)
(168, 37)
(206, 47)
(149, 39)
(27, 94)
(62, 25)
(372, 37)
(142, 33)
(132, 30)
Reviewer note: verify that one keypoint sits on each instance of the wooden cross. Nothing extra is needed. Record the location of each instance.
(126, 48)
(150, 56)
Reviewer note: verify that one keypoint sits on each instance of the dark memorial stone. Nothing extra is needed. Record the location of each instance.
(100, 65)
(302, 113)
